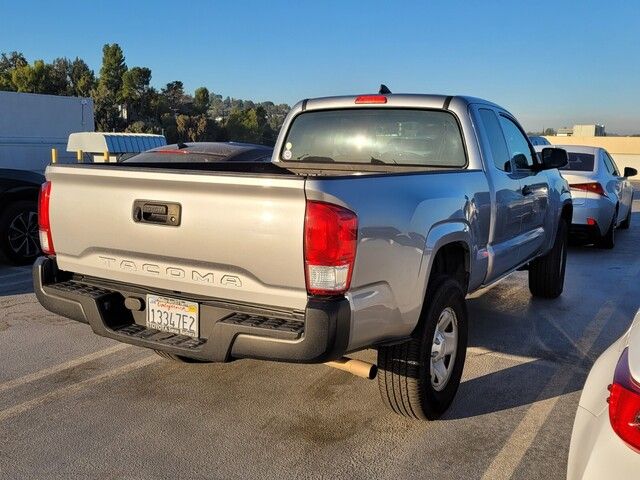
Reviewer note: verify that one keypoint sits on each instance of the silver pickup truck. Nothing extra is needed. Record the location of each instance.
(374, 219)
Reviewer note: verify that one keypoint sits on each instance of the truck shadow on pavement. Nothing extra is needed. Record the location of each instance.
(539, 349)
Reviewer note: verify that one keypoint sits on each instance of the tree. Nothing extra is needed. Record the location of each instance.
(107, 94)
(8, 63)
(201, 100)
(81, 78)
(59, 76)
(34, 78)
(194, 129)
(243, 126)
(113, 68)
(135, 92)
(549, 131)
(173, 93)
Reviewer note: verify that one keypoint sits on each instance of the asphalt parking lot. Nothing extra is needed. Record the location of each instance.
(75, 405)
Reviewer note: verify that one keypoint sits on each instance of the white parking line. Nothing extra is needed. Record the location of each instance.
(507, 460)
(519, 359)
(32, 377)
(29, 404)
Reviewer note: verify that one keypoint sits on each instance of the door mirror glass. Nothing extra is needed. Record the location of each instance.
(630, 172)
(553, 158)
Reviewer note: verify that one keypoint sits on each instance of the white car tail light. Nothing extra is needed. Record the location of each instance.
(44, 225)
(592, 187)
(624, 403)
(330, 237)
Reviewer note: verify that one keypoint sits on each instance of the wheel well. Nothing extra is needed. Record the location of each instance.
(452, 260)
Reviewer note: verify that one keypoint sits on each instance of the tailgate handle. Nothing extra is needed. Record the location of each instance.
(155, 212)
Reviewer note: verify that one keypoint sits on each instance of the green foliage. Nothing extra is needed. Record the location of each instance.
(36, 78)
(124, 100)
(107, 95)
(201, 100)
(174, 95)
(81, 78)
(112, 70)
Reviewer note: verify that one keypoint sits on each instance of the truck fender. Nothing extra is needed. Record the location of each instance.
(442, 234)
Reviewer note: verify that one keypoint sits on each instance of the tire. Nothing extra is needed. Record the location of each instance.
(608, 240)
(19, 240)
(404, 370)
(177, 358)
(546, 274)
(627, 221)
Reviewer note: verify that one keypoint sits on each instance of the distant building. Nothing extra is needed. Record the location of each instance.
(588, 131)
(582, 131)
(32, 124)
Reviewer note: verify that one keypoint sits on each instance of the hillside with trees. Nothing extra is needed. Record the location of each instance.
(125, 101)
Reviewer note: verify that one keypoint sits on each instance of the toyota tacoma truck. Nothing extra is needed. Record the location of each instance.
(375, 218)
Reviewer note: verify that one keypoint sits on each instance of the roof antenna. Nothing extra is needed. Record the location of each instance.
(384, 90)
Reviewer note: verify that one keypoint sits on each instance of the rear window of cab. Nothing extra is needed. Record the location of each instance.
(429, 138)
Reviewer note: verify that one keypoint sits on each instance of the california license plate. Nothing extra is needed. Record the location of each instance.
(173, 315)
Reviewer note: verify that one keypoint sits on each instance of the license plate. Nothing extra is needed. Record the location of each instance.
(173, 315)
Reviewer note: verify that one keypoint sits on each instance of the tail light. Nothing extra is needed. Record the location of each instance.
(593, 187)
(330, 236)
(624, 404)
(371, 99)
(44, 224)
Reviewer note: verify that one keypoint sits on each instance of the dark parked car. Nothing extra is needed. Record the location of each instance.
(204, 152)
(19, 191)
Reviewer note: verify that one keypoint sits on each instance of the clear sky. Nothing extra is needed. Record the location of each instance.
(552, 63)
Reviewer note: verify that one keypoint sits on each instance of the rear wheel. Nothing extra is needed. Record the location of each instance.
(19, 232)
(419, 378)
(546, 274)
(608, 240)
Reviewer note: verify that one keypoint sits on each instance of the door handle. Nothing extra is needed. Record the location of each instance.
(527, 190)
(158, 213)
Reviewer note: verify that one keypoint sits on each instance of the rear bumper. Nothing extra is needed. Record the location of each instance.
(601, 210)
(228, 331)
(585, 233)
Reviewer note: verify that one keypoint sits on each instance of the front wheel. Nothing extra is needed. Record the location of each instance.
(546, 274)
(419, 378)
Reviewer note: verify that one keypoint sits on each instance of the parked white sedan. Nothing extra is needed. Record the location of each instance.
(605, 443)
(601, 196)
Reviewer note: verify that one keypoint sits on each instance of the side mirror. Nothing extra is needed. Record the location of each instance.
(630, 172)
(553, 158)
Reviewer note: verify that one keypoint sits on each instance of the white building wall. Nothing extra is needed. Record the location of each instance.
(32, 124)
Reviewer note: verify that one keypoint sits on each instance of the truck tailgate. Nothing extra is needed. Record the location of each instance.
(240, 237)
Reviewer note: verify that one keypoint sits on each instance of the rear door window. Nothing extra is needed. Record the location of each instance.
(518, 145)
(427, 138)
(499, 150)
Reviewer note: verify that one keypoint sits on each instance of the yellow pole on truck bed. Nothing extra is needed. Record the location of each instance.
(106, 156)
(54, 155)
(79, 154)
